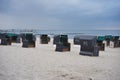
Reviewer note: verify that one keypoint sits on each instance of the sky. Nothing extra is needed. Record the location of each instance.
(60, 14)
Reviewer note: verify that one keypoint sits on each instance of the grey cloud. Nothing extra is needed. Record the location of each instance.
(60, 13)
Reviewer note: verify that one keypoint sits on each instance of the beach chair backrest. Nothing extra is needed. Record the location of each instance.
(60, 39)
(64, 38)
(115, 38)
(86, 40)
(44, 37)
(29, 37)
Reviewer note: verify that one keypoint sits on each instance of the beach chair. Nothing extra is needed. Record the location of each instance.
(100, 43)
(107, 39)
(28, 40)
(5, 40)
(114, 42)
(48, 39)
(61, 42)
(18, 40)
(44, 39)
(76, 40)
(88, 45)
(119, 42)
(15, 38)
(1, 35)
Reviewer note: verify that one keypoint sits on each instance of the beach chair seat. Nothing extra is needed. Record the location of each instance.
(62, 47)
(13, 39)
(101, 46)
(5, 41)
(90, 51)
(27, 43)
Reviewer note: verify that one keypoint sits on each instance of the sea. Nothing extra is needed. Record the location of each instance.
(70, 33)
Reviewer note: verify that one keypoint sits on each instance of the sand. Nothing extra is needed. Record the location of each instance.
(43, 63)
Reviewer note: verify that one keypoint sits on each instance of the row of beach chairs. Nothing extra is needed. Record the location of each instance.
(90, 45)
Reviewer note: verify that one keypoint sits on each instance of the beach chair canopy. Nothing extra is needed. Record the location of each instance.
(10, 34)
(60, 39)
(43, 36)
(63, 38)
(28, 36)
(114, 38)
(108, 37)
(100, 38)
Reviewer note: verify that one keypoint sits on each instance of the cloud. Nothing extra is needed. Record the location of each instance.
(63, 6)
(59, 14)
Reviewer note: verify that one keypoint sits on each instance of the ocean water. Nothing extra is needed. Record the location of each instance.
(72, 33)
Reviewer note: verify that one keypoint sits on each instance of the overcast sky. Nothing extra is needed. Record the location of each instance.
(60, 14)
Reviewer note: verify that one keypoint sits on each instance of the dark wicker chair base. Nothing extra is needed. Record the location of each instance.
(5, 41)
(62, 47)
(93, 51)
(16, 41)
(44, 42)
(101, 46)
(119, 43)
(116, 44)
(28, 44)
(108, 43)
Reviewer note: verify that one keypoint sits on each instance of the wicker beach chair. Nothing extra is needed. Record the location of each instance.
(107, 39)
(61, 42)
(100, 43)
(88, 45)
(28, 40)
(44, 39)
(114, 42)
(5, 40)
(76, 40)
(15, 38)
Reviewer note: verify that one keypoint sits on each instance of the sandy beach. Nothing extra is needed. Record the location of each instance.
(43, 63)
